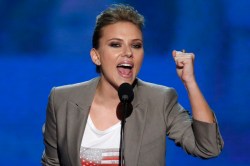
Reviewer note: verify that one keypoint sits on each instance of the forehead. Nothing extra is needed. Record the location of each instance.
(123, 30)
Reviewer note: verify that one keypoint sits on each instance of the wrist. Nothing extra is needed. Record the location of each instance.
(190, 84)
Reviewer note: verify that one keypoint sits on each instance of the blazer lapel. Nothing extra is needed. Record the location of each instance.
(77, 114)
(76, 122)
(134, 128)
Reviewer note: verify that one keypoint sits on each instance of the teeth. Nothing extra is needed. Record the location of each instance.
(125, 65)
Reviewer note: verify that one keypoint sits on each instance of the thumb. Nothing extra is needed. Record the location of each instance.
(174, 53)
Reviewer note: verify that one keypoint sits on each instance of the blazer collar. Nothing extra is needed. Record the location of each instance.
(84, 95)
(83, 98)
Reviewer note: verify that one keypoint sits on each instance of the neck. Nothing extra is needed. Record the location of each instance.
(107, 93)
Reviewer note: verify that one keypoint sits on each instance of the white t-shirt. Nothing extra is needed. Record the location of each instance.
(100, 147)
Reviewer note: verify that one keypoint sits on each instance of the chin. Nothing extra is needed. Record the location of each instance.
(119, 79)
(127, 80)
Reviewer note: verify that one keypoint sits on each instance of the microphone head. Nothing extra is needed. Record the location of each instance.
(125, 92)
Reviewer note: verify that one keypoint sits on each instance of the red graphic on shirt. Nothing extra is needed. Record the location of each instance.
(99, 157)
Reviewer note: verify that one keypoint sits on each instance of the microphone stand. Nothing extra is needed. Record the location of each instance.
(123, 121)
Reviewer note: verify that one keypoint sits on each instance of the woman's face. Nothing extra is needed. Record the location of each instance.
(120, 53)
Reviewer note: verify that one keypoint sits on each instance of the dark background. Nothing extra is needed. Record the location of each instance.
(46, 43)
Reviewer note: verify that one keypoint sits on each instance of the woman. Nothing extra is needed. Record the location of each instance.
(82, 126)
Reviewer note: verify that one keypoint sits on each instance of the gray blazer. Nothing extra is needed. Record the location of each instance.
(156, 113)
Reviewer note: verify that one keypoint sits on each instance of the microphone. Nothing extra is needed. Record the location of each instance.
(125, 93)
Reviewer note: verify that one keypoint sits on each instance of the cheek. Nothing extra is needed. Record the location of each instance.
(108, 61)
(104, 57)
(139, 59)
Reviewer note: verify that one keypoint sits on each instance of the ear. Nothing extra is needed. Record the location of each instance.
(95, 56)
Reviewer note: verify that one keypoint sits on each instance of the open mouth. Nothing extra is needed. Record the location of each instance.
(125, 69)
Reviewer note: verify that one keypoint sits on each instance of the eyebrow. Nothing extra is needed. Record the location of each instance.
(122, 40)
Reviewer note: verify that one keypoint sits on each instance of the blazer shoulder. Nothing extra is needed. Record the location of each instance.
(76, 86)
(73, 90)
(155, 89)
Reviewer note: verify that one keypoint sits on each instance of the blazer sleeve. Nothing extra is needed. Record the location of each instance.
(50, 154)
(195, 137)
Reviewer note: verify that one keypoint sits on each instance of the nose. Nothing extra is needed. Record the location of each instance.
(128, 52)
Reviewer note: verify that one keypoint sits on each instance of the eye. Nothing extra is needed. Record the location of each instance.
(137, 45)
(115, 44)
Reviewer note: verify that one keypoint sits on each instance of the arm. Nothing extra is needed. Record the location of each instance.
(197, 138)
(50, 156)
(185, 70)
(201, 137)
